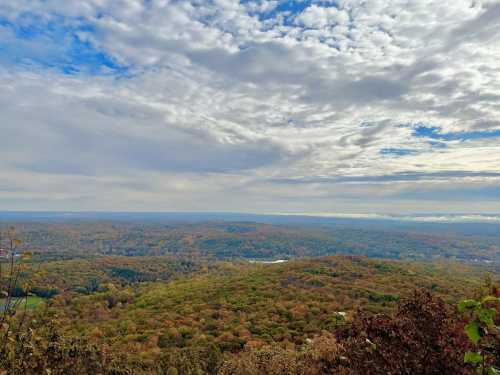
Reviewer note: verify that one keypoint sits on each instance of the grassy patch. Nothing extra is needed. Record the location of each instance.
(33, 302)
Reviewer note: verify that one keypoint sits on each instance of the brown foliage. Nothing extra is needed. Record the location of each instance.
(423, 337)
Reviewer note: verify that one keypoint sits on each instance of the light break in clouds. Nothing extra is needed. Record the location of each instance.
(383, 106)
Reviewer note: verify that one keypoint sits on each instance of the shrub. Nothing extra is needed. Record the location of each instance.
(423, 337)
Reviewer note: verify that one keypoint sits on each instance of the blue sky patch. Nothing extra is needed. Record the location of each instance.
(434, 132)
(290, 9)
(397, 152)
(54, 45)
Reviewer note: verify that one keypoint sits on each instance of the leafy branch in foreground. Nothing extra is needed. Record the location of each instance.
(14, 298)
(483, 332)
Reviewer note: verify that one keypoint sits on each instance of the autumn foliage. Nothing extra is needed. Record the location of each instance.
(423, 336)
(172, 315)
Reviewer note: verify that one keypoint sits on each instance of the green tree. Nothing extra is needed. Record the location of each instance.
(482, 332)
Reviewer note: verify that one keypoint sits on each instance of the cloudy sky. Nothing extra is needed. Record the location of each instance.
(380, 106)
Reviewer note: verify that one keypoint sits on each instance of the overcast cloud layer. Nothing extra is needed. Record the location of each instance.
(383, 106)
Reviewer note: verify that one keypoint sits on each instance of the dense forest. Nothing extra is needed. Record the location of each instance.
(171, 298)
(236, 240)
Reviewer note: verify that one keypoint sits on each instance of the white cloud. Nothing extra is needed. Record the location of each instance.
(230, 97)
(319, 17)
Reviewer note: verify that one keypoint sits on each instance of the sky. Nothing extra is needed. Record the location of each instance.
(265, 106)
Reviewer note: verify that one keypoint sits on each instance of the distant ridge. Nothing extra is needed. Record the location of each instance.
(466, 224)
(235, 216)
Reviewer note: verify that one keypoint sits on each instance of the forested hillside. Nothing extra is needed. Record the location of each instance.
(238, 305)
(198, 299)
(230, 240)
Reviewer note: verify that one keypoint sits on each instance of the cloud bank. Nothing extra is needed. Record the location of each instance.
(354, 106)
